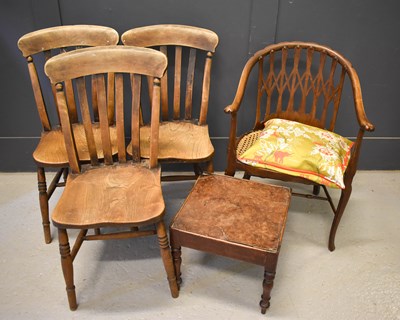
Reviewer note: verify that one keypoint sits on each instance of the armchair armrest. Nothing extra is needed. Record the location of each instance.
(232, 108)
(363, 121)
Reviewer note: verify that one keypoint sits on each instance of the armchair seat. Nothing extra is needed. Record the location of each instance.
(298, 150)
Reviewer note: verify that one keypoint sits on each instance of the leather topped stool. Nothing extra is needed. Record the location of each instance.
(235, 218)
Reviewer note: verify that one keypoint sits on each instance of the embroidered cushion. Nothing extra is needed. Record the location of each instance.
(300, 150)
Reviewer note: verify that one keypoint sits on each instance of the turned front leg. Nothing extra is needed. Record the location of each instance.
(44, 203)
(167, 258)
(67, 267)
(268, 282)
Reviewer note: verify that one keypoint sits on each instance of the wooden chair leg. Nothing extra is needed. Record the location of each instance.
(316, 190)
(246, 176)
(44, 203)
(65, 174)
(210, 167)
(198, 171)
(167, 258)
(231, 161)
(344, 199)
(230, 172)
(67, 267)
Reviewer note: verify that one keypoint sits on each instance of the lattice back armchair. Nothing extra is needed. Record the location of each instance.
(184, 134)
(299, 90)
(123, 193)
(38, 47)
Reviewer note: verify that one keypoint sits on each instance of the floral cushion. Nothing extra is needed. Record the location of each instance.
(300, 150)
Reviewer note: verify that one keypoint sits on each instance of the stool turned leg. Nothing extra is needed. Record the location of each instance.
(176, 256)
(268, 283)
(44, 203)
(67, 267)
(167, 258)
(271, 262)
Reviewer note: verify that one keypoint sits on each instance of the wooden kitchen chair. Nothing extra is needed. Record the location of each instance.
(37, 47)
(124, 193)
(293, 112)
(184, 134)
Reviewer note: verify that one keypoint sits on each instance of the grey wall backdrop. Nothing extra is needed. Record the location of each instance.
(367, 32)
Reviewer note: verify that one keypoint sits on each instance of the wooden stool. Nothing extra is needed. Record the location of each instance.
(235, 218)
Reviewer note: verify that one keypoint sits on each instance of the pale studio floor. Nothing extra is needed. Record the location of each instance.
(125, 279)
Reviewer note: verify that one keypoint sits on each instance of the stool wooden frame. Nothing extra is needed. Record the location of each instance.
(235, 218)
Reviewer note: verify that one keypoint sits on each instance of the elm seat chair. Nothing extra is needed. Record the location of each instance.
(184, 134)
(37, 47)
(124, 193)
(299, 85)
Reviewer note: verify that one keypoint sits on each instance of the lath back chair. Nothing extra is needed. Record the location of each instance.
(37, 47)
(124, 193)
(303, 83)
(184, 134)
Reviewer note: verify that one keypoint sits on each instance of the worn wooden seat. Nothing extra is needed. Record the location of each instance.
(184, 134)
(123, 193)
(51, 148)
(183, 140)
(301, 82)
(114, 197)
(235, 218)
(37, 47)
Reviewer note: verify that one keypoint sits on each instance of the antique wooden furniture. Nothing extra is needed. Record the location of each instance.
(302, 82)
(184, 135)
(236, 218)
(37, 47)
(123, 193)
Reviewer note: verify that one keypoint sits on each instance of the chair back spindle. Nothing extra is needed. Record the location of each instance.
(119, 117)
(87, 121)
(135, 125)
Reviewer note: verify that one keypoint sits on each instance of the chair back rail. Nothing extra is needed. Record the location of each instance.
(76, 66)
(186, 44)
(302, 82)
(52, 41)
(313, 86)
